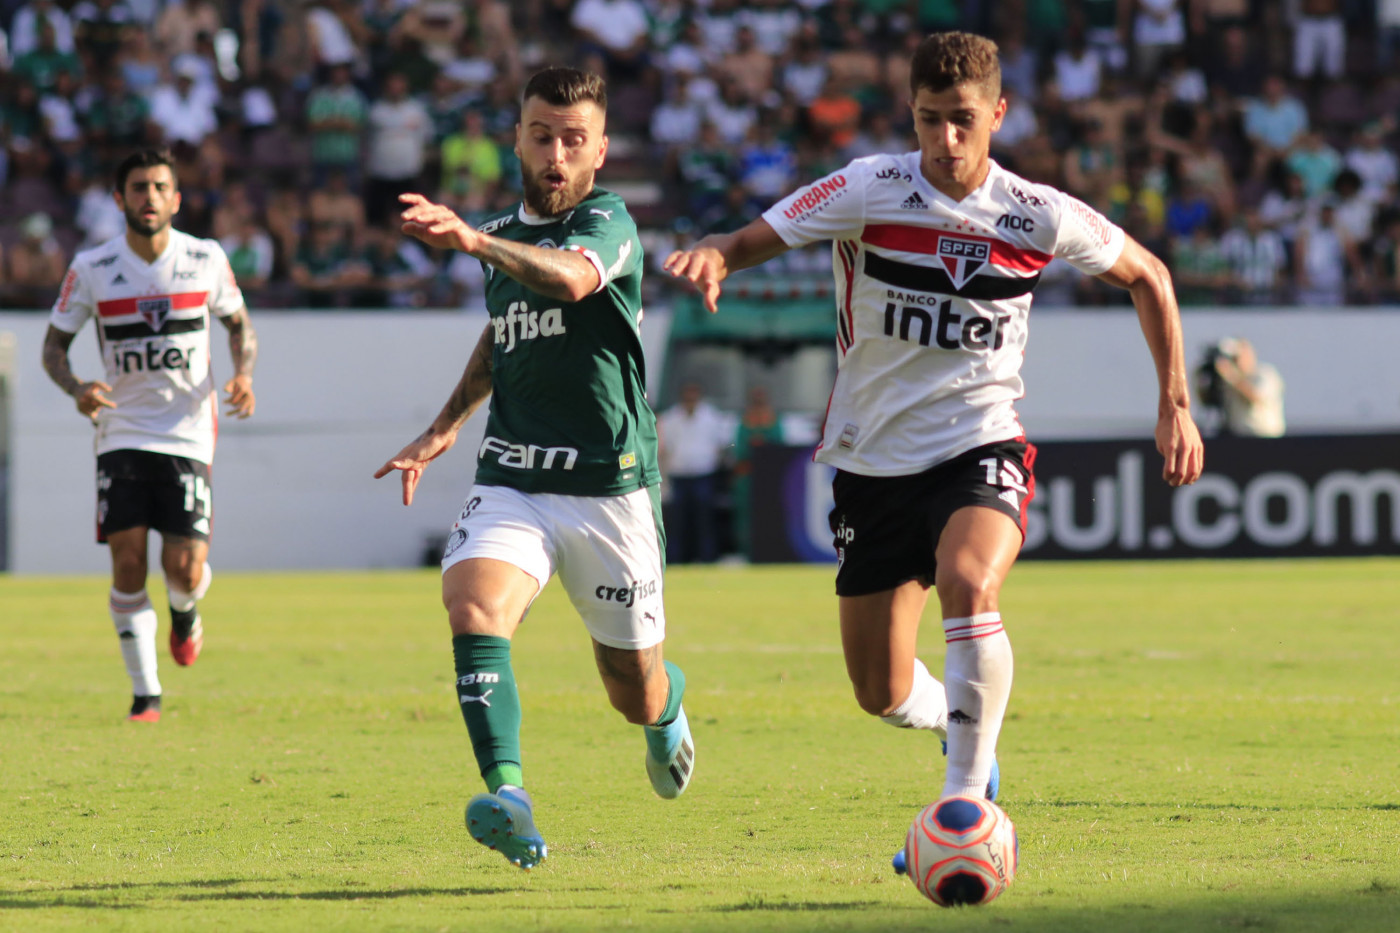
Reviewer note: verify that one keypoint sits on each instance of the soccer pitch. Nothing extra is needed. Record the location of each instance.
(1190, 747)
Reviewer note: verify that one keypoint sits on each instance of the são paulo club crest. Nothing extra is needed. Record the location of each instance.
(962, 257)
(153, 311)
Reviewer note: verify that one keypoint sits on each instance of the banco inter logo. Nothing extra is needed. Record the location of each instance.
(154, 355)
(527, 456)
(948, 331)
(626, 595)
(519, 323)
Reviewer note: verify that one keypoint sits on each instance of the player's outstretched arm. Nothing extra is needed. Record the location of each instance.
(558, 273)
(1149, 282)
(712, 259)
(90, 396)
(243, 347)
(472, 389)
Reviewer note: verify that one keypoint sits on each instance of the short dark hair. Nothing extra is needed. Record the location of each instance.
(947, 59)
(564, 86)
(145, 158)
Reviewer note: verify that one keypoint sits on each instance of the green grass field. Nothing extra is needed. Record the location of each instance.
(1191, 747)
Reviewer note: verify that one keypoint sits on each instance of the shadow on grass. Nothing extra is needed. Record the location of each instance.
(1301, 807)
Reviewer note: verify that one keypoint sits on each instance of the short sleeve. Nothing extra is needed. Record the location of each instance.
(75, 303)
(605, 234)
(1086, 239)
(226, 297)
(830, 208)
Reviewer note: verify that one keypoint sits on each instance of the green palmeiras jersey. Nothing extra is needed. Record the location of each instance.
(569, 413)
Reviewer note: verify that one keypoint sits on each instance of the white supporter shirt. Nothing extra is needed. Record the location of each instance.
(933, 301)
(153, 329)
(693, 442)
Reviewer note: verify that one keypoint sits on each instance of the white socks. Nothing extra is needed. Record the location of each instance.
(181, 601)
(926, 707)
(135, 621)
(977, 671)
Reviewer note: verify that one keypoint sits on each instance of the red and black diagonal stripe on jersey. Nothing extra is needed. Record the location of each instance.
(936, 278)
(845, 329)
(154, 311)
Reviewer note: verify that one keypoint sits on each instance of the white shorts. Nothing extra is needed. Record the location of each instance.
(607, 551)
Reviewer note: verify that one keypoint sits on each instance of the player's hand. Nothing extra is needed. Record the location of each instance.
(414, 459)
(702, 265)
(239, 396)
(1180, 445)
(91, 398)
(436, 224)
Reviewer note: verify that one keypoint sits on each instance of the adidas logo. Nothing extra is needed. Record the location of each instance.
(914, 203)
(119, 280)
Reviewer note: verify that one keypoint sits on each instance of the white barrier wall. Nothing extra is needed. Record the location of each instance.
(338, 393)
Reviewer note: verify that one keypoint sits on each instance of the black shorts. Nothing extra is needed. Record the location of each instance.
(886, 528)
(142, 489)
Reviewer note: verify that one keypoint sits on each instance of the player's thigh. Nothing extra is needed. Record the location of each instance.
(128, 551)
(182, 498)
(880, 529)
(610, 562)
(498, 558)
(879, 637)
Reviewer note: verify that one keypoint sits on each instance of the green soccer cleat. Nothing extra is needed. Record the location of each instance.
(670, 757)
(504, 822)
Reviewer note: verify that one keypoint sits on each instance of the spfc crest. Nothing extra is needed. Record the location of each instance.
(962, 257)
(154, 311)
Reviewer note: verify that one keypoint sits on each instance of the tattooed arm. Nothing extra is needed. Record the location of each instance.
(472, 389)
(243, 347)
(90, 396)
(558, 273)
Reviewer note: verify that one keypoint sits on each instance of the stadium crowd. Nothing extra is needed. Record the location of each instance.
(1251, 143)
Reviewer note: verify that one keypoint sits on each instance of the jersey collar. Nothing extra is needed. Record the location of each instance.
(917, 171)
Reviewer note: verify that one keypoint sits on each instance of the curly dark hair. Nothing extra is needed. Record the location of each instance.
(144, 158)
(947, 59)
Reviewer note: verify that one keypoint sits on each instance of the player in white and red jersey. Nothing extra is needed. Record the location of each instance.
(151, 293)
(936, 254)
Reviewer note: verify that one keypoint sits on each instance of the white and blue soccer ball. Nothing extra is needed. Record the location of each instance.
(961, 850)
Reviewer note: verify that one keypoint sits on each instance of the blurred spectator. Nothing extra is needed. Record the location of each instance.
(774, 23)
(1077, 70)
(257, 107)
(750, 66)
(1183, 80)
(676, 120)
(1285, 207)
(336, 115)
(1159, 27)
(396, 269)
(1252, 392)
(693, 437)
(1386, 260)
(235, 206)
(184, 113)
(1275, 121)
(1319, 40)
(1200, 269)
(98, 216)
(1387, 32)
(286, 218)
(705, 170)
(250, 253)
(1136, 189)
(119, 118)
(445, 105)
(325, 266)
(399, 133)
(1373, 163)
(1257, 259)
(855, 64)
(435, 26)
(758, 427)
(140, 63)
(733, 212)
(42, 65)
(767, 165)
(101, 27)
(1236, 69)
(1188, 209)
(470, 159)
(1199, 163)
(1317, 163)
(333, 31)
(338, 205)
(732, 113)
(835, 115)
(1019, 67)
(805, 71)
(718, 24)
(469, 71)
(618, 29)
(879, 135)
(1326, 260)
(1356, 212)
(1091, 165)
(1104, 30)
(181, 21)
(28, 23)
(34, 265)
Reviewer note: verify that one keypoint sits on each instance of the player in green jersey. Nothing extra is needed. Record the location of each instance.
(567, 473)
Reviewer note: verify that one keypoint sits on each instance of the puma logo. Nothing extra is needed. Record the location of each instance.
(601, 212)
(481, 699)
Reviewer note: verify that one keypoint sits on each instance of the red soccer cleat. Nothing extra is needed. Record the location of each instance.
(185, 649)
(144, 709)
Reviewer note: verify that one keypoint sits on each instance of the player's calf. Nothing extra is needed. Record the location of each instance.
(670, 757)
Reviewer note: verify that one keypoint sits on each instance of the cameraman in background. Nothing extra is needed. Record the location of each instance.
(1246, 394)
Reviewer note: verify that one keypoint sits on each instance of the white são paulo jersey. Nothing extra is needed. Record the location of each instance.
(933, 300)
(153, 330)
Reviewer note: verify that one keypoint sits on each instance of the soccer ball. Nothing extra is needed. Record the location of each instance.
(961, 850)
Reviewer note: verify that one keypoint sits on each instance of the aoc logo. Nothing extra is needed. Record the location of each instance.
(626, 595)
(816, 198)
(962, 258)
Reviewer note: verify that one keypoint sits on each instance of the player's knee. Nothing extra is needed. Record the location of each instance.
(965, 591)
(128, 572)
(473, 614)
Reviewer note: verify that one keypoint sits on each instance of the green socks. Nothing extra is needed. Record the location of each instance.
(665, 734)
(490, 704)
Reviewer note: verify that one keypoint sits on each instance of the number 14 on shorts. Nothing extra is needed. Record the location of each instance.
(196, 493)
(1006, 476)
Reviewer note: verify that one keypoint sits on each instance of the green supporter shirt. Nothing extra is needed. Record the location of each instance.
(569, 413)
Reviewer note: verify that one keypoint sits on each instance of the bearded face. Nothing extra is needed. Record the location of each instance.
(560, 149)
